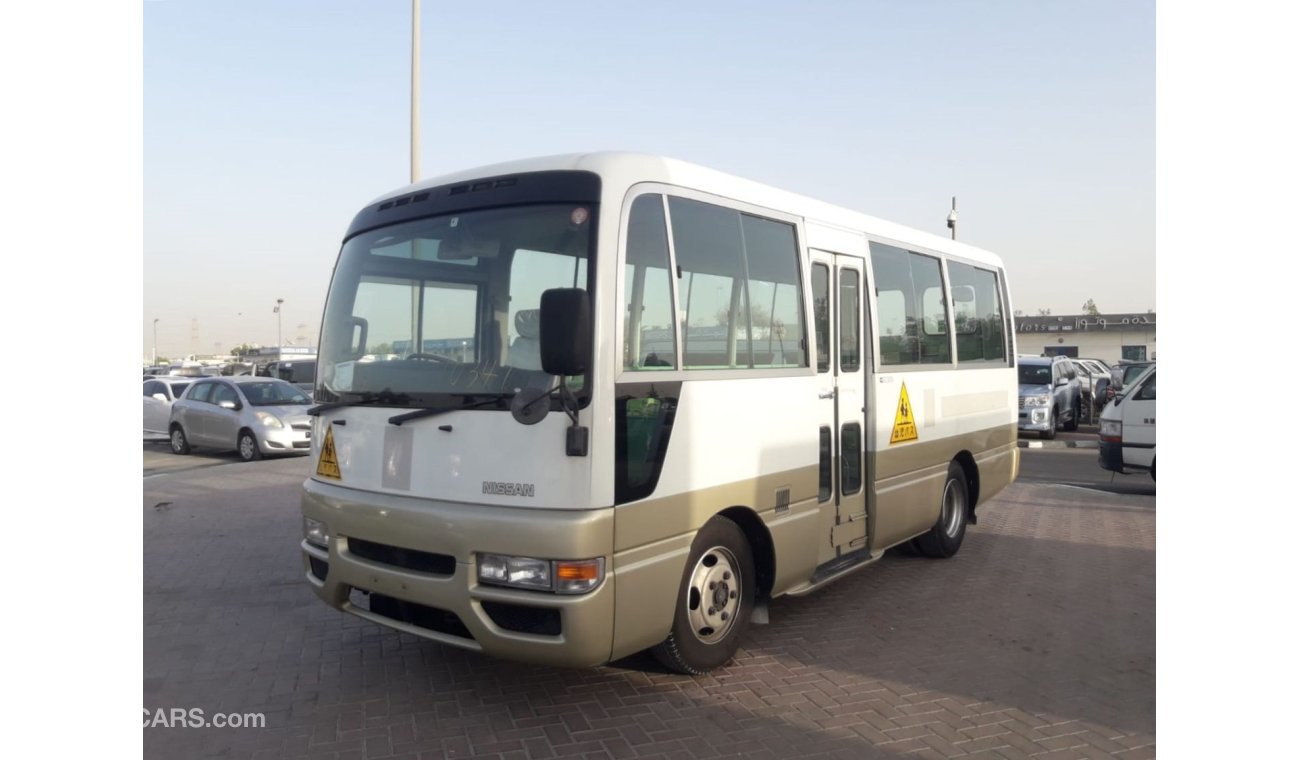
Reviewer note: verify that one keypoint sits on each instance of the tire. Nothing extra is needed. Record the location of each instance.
(714, 601)
(1073, 424)
(248, 448)
(180, 444)
(944, 539)
(1050, 433)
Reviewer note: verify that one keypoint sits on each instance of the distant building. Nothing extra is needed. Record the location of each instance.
(1109, 337)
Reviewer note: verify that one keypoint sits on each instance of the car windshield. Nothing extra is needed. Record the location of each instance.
(1035, 374)
(273, 394)
(435, 309)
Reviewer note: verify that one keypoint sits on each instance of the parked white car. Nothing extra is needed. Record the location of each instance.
(1128, 427)
(159, 393)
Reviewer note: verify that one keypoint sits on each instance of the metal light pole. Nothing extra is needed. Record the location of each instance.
(279, 319)
(155, 341)
(415, 91)
(952, 218)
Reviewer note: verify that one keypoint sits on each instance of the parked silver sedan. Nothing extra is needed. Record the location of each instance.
(252, 415)
(159, 393)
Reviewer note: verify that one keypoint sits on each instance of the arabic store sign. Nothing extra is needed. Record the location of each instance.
(1088, 323)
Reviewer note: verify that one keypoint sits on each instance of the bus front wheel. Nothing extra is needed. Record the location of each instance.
(714, 602)
(944, 539)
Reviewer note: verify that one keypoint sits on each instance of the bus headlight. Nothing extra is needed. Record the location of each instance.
(1111, 431)
(559, 576)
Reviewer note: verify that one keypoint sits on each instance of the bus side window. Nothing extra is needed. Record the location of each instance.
(915, 317)
(824, 465)
(927, 283)
(649, 340)
(895, 305)
(739, 286)
(821, 294)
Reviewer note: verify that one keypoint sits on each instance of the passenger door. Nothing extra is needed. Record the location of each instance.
(837, 284)
(192, 414)
(221, 426)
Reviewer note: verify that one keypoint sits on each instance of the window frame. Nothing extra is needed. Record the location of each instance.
(999, 285)
(999, 272)
(680, 372)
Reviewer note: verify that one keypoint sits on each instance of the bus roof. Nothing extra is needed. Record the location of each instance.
(623, 169)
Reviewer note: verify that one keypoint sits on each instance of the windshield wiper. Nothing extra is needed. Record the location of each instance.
(495, 398)
(386, 397)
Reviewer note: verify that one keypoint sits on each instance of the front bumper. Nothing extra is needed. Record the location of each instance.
(398, 586)
(1110, 456)
(285, 440)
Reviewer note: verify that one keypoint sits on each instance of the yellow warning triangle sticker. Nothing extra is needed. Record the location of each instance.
(904, 422)
(328, 466)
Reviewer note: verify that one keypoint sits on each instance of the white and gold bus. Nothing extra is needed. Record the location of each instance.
(572, 408)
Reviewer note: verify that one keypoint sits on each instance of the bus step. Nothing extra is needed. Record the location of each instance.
(837, 566)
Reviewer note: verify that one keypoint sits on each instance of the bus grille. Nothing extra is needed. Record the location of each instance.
(407, 559)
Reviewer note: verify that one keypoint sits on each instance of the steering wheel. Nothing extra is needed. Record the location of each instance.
(433, 358)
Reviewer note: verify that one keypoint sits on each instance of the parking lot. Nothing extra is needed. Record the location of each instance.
(1038, 639)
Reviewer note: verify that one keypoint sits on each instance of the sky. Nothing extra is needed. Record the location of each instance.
(268, 125)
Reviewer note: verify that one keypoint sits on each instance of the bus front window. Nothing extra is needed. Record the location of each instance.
(427, 312)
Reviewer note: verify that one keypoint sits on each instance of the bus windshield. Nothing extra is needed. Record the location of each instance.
(427, 312)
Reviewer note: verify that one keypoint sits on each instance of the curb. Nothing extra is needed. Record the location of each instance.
(1058, 444)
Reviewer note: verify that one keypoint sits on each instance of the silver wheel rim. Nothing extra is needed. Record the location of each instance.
(714, 594)
(246, 445)
(954, 511)
(178, 440)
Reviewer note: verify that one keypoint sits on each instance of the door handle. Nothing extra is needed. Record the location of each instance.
(827, 394)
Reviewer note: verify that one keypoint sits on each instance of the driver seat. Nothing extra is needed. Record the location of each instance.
(526, 350)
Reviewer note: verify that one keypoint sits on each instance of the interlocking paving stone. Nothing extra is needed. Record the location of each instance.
(1037, 639)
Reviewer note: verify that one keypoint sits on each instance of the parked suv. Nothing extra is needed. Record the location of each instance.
(1050, 395)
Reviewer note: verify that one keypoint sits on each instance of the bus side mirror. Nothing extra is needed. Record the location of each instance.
(565, 333)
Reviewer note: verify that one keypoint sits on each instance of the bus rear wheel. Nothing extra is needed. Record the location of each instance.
(714, 602)
(944, 539)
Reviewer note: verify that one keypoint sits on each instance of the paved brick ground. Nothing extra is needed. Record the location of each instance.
(1037, 639)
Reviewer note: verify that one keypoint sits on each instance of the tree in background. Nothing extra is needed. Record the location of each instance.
(759, 315)
(1044, 312)
(1091, 309)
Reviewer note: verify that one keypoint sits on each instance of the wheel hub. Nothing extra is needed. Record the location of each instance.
(714, 595)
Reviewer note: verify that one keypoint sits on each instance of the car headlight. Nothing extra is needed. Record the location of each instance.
(1111, 431)
(559, 576)
(316, 532)
(269, 420)
(1037, 400)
